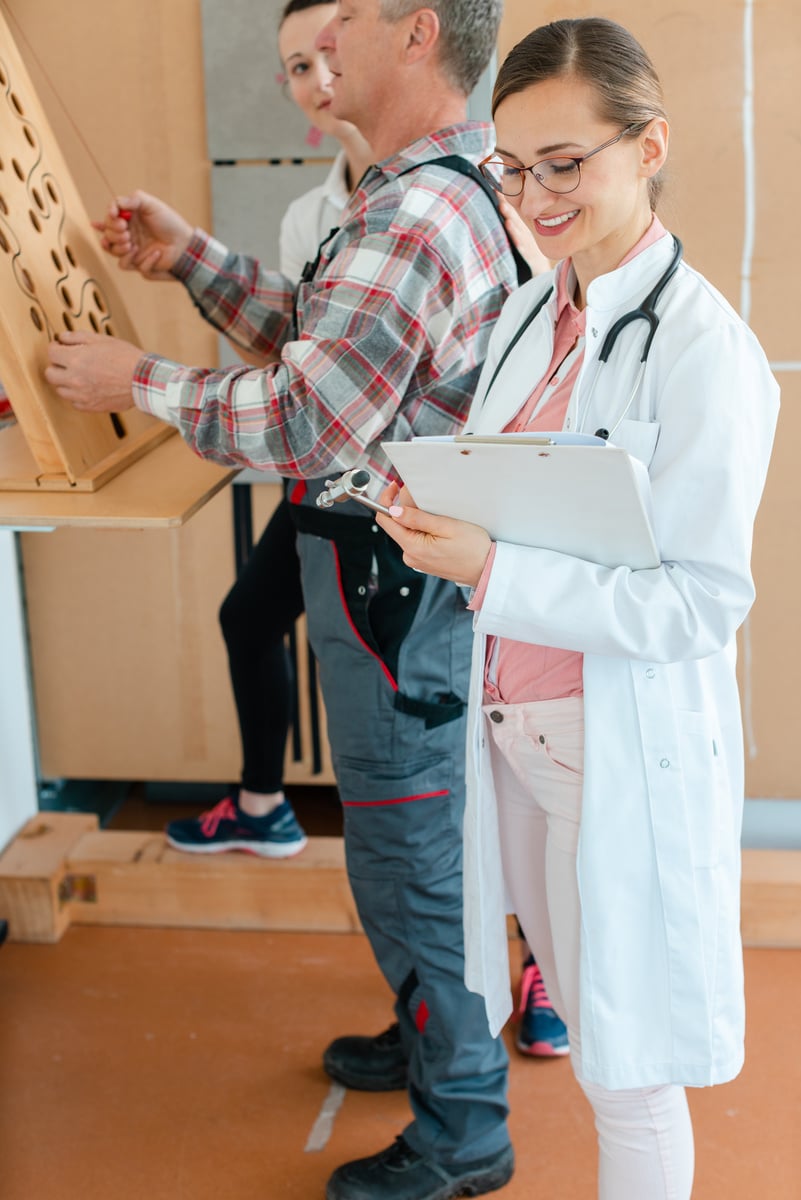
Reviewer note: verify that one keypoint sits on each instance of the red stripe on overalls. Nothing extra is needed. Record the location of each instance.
(354, 630)
(399, 800)
(297, 491)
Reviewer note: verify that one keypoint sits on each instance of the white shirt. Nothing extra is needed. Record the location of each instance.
(310, 219)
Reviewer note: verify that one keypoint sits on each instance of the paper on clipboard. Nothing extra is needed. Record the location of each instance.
(578, 495)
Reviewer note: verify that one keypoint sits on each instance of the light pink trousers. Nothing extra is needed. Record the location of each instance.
(645, 1137)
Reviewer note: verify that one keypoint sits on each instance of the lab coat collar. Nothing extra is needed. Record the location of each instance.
(623, 288)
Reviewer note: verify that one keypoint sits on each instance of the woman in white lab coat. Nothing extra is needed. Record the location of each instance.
(605, 758)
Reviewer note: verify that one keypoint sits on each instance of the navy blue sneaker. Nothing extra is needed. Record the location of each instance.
(226, 827)
(541, 1032)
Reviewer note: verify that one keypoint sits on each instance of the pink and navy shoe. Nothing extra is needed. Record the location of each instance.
(227, 827)
(541, 1032)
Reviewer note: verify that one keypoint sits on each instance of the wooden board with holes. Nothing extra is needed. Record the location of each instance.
(52, 278)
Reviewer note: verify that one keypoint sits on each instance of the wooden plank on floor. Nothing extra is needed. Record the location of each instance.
(32, 872)
(771, 898)
(61, 868)
(127, 878)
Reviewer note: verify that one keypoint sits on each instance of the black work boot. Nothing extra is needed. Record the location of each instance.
(400, 1173)
(368, 1064)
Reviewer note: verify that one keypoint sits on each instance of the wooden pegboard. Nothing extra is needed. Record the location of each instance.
(53, 277)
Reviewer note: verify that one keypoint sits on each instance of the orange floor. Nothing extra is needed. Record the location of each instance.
(185, 1065)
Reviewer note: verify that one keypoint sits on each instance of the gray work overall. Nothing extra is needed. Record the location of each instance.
(393, 648)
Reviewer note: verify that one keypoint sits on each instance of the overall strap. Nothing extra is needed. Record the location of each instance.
(463, 166)
(307, 274)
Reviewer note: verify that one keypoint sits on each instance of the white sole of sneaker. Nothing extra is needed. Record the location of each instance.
(260, 850)
(542, 1050)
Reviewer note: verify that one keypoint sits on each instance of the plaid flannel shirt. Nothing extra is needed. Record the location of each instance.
(391, 333)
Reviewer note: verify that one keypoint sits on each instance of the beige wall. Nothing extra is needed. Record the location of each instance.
(131, 79)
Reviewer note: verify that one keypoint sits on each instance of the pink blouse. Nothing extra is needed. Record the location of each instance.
(517, 672)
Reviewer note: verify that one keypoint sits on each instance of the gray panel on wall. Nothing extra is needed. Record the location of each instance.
(479, 105)
(248, 203)
(247, 114)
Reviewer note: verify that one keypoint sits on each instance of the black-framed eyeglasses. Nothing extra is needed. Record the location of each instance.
(560, 175)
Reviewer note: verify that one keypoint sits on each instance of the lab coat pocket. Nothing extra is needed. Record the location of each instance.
(704, 778)
(638, 437)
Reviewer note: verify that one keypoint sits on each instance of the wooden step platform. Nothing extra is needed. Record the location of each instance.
(771, 898)
(62, 869)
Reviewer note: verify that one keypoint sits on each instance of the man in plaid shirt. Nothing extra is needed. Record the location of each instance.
(384, 339)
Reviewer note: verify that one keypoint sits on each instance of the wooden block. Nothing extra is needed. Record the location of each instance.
(771, 898)
(121, 878)
(61, 868)
(32, 897)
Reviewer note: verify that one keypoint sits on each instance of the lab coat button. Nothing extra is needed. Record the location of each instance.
(664, 762)
(649, 674)
(496, 716)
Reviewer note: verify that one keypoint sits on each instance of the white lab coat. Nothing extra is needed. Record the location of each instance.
(659, 847)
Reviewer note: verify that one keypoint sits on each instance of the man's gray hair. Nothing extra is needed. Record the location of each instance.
(468, 34)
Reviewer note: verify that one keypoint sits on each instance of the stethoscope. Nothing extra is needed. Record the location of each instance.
(646, 311)
(352, 485)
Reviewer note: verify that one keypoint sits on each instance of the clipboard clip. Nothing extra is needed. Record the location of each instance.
(350, 486)
(504, 439)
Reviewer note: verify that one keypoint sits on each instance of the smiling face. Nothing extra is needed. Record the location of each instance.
(309, 77)
(598, 223)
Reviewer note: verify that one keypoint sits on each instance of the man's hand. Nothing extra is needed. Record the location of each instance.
(93, 372)
(144, 234)
(442, 546)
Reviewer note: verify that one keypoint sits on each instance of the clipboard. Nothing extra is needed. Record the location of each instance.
(585, 498)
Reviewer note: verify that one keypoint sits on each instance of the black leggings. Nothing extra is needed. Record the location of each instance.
(255, 616)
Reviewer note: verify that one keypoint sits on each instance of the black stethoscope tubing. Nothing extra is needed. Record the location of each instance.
(646, 311)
